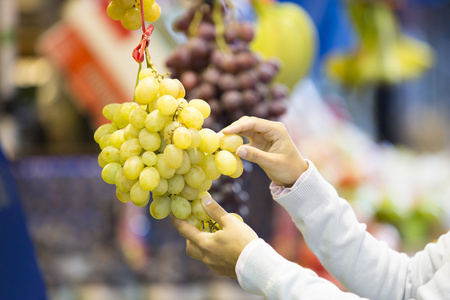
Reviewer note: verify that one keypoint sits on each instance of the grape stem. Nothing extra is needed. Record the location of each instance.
(137, 81)
(220, 27)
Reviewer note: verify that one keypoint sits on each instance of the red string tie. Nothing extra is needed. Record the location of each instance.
(138, 52)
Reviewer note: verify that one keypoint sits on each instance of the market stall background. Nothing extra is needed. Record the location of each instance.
(395, 169)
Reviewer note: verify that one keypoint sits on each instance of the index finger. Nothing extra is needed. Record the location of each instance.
(247, 126)
(186, 230)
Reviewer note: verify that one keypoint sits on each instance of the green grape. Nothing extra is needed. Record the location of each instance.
(147, 91)
(127, 108)
(109, 172)
(123, 196)
(240, 167)
(150, 141)
(210, 167)
(101, 162)
(176, 184)
(196, 156)
(198, 211)
(205, 186)
(161, 188)
(163, 169)
(117, 138)
(168, 86)
(137, 118)
(195, 222)
(237, 216)
(148, 3)
(182, 103)
(130, 132)
(163, 144)
(173, 156)
(181, 208)
(167, 105)
(153, 13)
(191, 117)
(133, 167)
(126, 183)
(110, 154)
(189, 192)
(147, 72)
(202, 107)
(125, 3)
(160, 207)
(195, 177)
(109, 109)
(117, 117)
(115, 11)
(231, 142)
(108, 128)
(181, 137)
(119, 182)
(149, 158)
(185, 165)
(155, 121)
(138, 195)
(129, 148)
(169, 129)
(225, 162)
(181, 90)
(195, 138)
(149, 178)
(132, 19)
(105, 141)
(209, 141)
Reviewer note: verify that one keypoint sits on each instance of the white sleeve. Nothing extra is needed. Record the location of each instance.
(361, 263)
(265, 272)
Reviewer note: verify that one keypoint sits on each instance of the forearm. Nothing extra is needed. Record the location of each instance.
(265, 272)
(361, 263)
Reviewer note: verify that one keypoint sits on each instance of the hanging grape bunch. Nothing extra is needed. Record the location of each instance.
(216, 64)
(155, 149)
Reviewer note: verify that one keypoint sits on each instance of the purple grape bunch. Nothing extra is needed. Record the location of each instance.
(232, 78)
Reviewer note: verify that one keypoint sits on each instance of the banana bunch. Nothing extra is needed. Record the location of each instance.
(285, 31)
(385, 55)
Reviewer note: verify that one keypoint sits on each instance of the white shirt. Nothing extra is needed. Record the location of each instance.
(366, 267)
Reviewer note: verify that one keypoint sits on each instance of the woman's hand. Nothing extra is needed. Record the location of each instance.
(219, 250)
(270, 147)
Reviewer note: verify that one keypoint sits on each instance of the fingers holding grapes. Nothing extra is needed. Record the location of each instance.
(219, 250)
(271, 147)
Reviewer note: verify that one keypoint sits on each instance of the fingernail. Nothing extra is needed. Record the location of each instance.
(207, 200)
(241, 152)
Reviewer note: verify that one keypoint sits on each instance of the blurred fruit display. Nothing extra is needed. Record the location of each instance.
(384, 55)
(386, 184)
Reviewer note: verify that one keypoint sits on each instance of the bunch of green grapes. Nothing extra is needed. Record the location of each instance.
(129, 12)
(156, 149)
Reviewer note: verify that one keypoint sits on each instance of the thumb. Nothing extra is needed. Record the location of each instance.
(214, 210)
(253, 154)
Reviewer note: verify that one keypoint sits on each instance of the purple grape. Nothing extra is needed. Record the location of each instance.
(277, 108)
(231, 100)
(246, 32)
(189, 79)
(227, 82)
